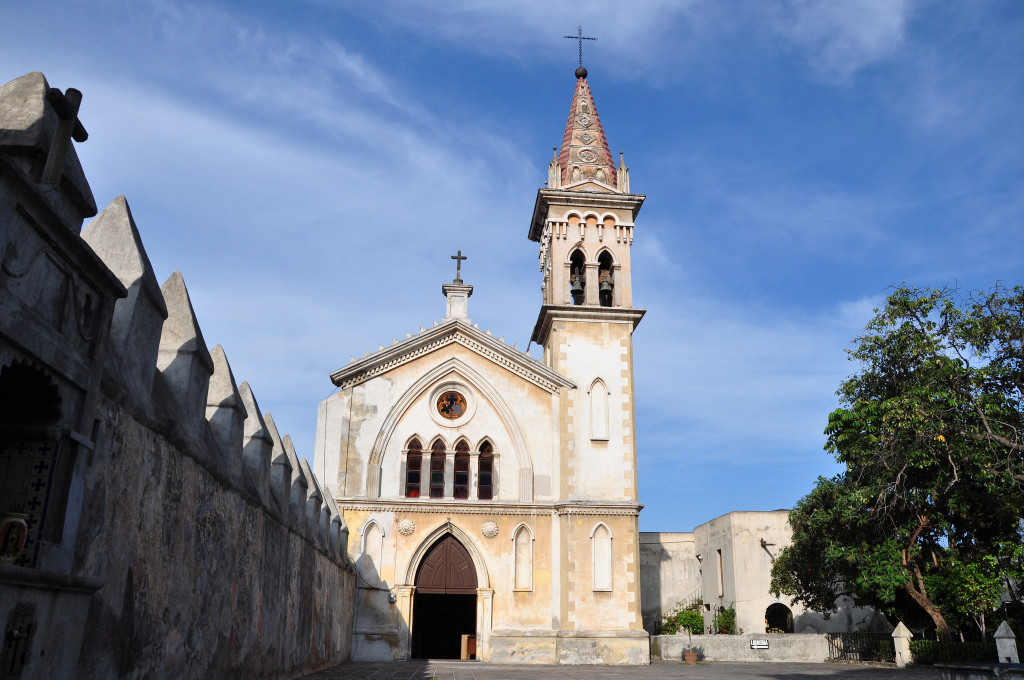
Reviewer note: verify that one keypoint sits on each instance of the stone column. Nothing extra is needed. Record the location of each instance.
(405, 594)
(901, 641)
(449, 474)
(484, 607)
(402, 468)
(494, 475)
(1006, 644)
(591, 292)
(474, 473)
(425, 476)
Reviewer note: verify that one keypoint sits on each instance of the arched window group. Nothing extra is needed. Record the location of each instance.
(461, 473)
(605, 278)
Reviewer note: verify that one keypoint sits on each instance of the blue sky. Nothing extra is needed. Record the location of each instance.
(310, 166)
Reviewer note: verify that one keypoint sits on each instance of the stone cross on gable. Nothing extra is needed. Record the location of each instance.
(458, 266)
(66, 105)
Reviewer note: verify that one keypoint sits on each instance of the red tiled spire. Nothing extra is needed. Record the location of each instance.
(584, 145)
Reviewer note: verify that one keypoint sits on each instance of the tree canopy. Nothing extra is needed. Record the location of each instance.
(930, 432)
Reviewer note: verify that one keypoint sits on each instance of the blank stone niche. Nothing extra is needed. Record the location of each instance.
(369, 561)
(523, 544)
(602, 544)
(599, 410)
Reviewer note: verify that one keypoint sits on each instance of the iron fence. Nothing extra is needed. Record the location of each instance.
(861, 647)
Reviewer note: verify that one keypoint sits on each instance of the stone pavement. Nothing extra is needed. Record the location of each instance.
(471, 670)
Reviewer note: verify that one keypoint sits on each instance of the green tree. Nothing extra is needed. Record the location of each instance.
(930, 433)
(967, 590)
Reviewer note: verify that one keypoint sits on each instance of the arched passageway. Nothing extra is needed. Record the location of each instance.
(778, 617)
(444, 606)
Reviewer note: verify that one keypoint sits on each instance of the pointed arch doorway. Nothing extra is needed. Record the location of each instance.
(444, 604)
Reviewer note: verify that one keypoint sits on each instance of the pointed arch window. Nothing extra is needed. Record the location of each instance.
(578, 277)
(605, 280)
(462, 470)
(485, 485)
(601, 538)
(437, 469)
(522, 545)
(413, 469)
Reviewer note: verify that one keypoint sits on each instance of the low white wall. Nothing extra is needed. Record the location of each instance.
(793, 647)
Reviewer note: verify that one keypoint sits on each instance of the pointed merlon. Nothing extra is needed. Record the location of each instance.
(183, 358)
(280, 470)
(138, 319)
(299, 490)
(257, 445)
(293, 460)
(114, 236)
(278, 456)
(223, 391)
(226, 413)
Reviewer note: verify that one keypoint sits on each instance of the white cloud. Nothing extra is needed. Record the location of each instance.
(841, 38)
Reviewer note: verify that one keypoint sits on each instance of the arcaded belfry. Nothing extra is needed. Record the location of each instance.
(493, 497)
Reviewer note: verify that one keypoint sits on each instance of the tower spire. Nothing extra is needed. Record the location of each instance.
(585, 154)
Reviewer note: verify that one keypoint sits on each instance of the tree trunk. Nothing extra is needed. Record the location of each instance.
(925, 602)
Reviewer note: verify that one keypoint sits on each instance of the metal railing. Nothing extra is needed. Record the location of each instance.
(861, 647)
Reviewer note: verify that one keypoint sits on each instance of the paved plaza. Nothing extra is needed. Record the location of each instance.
(471, 670)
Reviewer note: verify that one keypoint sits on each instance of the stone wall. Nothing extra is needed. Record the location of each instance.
(174, 533)
(810, 648)
(669, 574)
(199, 581)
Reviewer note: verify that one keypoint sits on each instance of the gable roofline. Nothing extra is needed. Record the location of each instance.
(452, 331)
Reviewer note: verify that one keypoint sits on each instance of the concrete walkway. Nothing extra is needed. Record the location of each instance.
(471, 670)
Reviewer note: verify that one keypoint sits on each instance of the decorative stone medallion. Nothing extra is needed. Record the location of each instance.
(489, 529)
(586, 138)
(584, 121)
(406, 527)
(587, 155)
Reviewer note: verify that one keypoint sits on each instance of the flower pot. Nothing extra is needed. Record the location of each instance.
(690, 658)
(13, 532)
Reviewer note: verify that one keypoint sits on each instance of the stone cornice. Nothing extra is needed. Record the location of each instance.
(580, 199)
(452, 331)
(590, 313)
(491, 508)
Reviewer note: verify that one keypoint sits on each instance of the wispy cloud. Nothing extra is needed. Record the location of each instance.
(840, 38)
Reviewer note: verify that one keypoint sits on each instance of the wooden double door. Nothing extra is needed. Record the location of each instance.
(444, 606)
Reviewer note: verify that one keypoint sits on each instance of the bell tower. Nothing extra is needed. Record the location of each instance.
(584, 222)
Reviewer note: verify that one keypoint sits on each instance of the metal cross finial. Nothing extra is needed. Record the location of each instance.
(579, 37)
(458, 266)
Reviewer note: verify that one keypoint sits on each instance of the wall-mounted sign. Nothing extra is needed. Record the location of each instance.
(759, 643)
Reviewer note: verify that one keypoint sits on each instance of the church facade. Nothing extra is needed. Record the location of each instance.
(492, 497)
